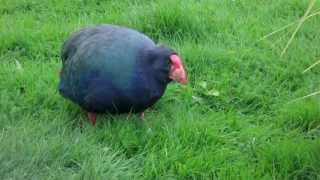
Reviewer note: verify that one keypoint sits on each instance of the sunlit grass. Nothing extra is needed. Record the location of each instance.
(236, 119)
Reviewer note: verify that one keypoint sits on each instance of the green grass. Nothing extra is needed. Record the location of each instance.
(249, 131)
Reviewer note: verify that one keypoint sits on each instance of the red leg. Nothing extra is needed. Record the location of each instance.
(92, 118)
(142, 116)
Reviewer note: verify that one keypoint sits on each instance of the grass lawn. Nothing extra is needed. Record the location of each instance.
(234, 120)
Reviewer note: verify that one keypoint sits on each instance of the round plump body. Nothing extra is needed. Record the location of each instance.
(109, 68)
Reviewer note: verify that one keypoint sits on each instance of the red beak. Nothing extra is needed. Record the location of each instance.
(177, 72)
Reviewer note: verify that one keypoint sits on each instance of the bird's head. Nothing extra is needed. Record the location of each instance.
(167, 64)
(177, 72)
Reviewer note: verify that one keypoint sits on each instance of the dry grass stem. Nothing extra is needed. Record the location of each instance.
(306, 96)
(312, 66)
(288, 25)
(301, 21)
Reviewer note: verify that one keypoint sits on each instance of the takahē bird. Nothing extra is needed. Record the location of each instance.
(108, 68)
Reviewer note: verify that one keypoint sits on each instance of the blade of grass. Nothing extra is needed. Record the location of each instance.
(301, 21)
(312, 66)
(306, 96)
(287, 26)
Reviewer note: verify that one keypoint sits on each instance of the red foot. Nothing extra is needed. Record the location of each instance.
(92, 118)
